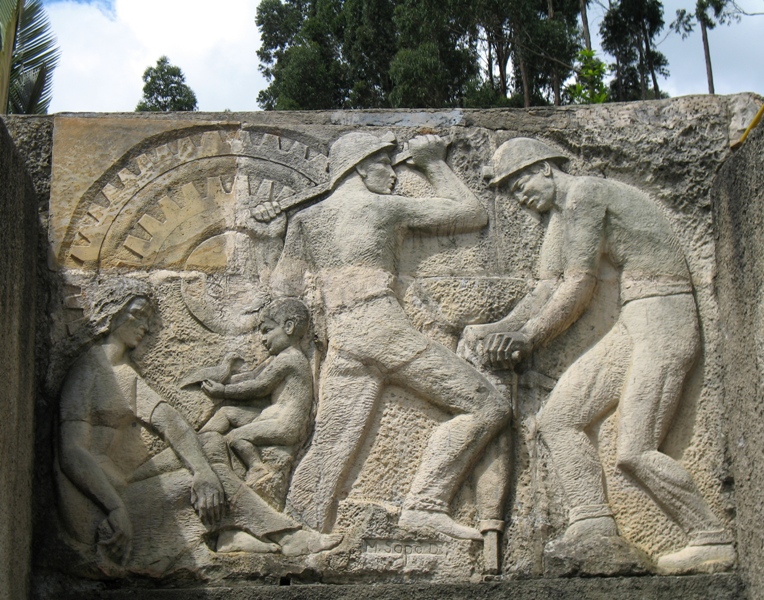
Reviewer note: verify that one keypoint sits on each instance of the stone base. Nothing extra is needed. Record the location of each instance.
(697, 587)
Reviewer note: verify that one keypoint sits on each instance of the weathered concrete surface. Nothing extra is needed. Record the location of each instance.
(18, 248)
(674, 158)
(738, 203)
(701, 587)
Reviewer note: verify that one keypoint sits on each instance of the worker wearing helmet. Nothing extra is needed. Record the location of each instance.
(349, 244)
(640, 365)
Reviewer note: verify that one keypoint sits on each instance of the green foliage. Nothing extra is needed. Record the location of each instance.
(437, 58)
(326, 54)
(628, 30)
(28, 57)
(165, 89)
(589, 87)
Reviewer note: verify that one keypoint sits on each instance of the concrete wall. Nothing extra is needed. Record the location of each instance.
(738, 204)
(18, 277)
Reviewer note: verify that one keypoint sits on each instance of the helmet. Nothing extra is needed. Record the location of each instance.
(351, 149)
(516, 154)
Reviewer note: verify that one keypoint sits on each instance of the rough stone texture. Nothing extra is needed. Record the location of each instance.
(700, 587)
(669, 149)
(18, 247)
(738, 202)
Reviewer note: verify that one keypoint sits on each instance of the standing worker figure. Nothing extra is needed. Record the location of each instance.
(640, 365)
(349, 244)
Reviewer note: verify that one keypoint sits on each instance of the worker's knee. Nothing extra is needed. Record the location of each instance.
(628, 460)
(553, 421)
(496, 409)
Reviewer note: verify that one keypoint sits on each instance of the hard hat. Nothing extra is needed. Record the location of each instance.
(351, 149)
(516, 154)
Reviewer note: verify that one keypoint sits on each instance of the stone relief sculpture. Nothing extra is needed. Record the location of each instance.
(286, 378)
(113, 495)
(305, 380)
(640, 365)
(349, 244)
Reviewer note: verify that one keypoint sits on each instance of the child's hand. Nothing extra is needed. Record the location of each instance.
(213, 389)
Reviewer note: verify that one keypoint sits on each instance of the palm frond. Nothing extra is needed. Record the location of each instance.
(34, 56)
(27, 94)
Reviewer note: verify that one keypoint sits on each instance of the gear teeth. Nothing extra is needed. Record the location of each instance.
(215, 187)
(241, 140)
(100, 215)
(240, 187)
(299, 150)
(139, 246)
(169, 207)
(127, 177)
(74, 302)
(97, 212)
(214, 143)
(73, 326)
(320, 164)
(111, 192)
(286, 192)
(186, 150)
(270, 143)
(164, 154)
(89, 253)
(264, 192)
(150, 224)
(144, 163)
(190, 193)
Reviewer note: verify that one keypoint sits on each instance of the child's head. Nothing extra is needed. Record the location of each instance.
(284, 323)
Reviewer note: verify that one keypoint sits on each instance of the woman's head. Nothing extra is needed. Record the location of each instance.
(119, 301)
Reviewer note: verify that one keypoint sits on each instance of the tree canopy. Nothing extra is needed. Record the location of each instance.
(415, 53)
(165, 89)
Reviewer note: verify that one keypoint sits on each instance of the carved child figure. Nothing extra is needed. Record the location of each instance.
(285, 377)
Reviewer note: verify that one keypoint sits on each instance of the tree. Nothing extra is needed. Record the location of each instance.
(628, 31)
(589, 87)
(28, 56)
(437, 54)
(165, 89)
(708, 14)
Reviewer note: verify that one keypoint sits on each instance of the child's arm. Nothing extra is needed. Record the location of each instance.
(262, 385)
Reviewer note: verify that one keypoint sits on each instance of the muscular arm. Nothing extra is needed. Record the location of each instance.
(582, 239)
(288, 276)
(206, 491)
(456, 208)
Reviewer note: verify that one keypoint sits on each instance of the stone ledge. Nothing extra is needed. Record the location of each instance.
(698, 587)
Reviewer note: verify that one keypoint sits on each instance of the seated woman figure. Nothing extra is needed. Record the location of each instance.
(108, 485)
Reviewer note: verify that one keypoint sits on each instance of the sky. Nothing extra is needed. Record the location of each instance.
(107, 44)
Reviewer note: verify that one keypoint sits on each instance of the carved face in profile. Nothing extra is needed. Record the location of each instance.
(131, 325)
(377, 173)
(275, 337)
(534, 187)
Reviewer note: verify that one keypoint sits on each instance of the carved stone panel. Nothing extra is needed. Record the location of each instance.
(460, 349)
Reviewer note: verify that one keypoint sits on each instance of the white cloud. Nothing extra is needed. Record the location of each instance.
(104, 52)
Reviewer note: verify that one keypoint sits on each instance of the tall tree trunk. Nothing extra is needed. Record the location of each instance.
(523, 69)
(707, 54)
(585, 25)
(642, 67)
(649, 57)
(555, 71)
(490, 63)
(6, 54)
